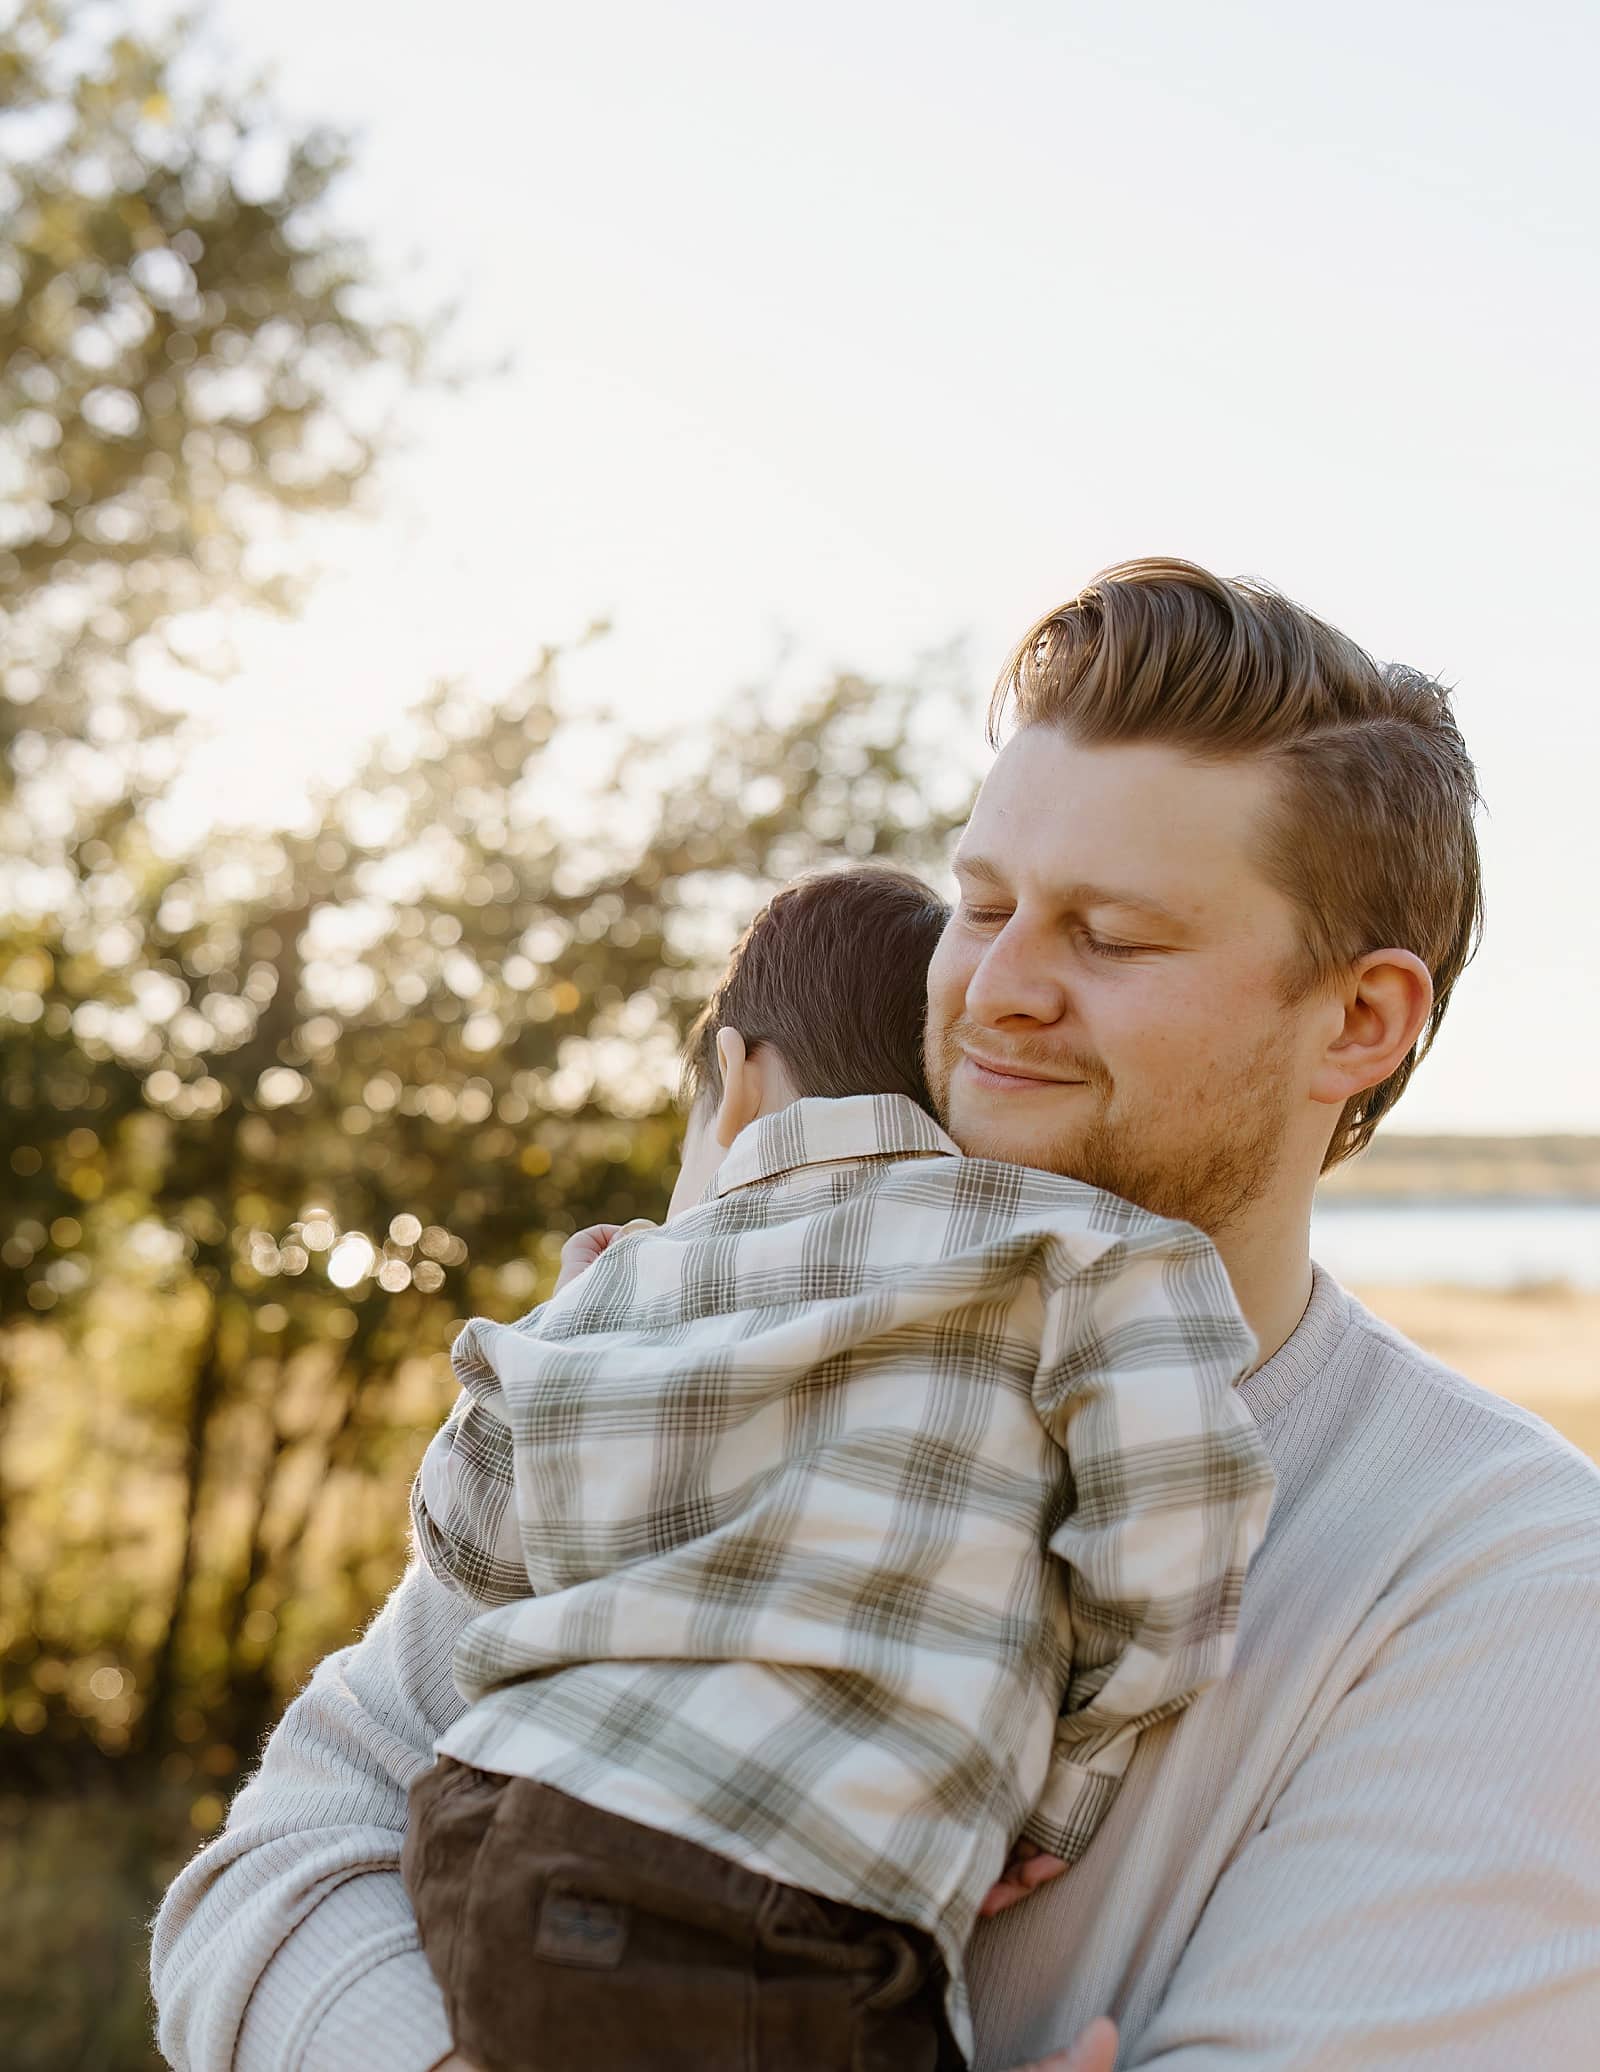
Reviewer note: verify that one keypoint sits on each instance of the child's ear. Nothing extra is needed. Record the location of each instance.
(740, 1102)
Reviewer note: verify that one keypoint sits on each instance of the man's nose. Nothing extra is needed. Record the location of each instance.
(1014, 981)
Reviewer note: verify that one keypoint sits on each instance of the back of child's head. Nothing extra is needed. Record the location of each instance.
(833, 974)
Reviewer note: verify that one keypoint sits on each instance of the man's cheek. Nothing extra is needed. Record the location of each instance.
(941, 962)
(948, 977)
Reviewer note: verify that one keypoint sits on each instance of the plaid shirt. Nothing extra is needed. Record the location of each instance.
(856, 1521)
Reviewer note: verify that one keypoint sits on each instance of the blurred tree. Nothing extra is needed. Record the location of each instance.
(191, 359)
(366, 1079)
(190, 354)
(276, 1115)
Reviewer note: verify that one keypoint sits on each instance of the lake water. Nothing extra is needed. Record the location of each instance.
(1484, 1244)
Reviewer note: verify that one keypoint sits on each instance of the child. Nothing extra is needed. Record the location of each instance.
(833, 1537)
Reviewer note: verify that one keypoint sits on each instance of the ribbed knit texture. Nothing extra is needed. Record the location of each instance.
(1376, 1844)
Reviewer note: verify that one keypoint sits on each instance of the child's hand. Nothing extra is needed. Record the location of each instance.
(583, 1248)
(1027, 1868)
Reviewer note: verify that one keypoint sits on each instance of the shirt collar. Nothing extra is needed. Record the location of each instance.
(817, 1132)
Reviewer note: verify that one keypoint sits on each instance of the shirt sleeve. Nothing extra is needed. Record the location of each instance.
(464, 1516)
(288, 1943)
(1423, 1894)
(1169, 1491)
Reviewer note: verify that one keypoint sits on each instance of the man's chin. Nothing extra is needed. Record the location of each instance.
(1012, 1140)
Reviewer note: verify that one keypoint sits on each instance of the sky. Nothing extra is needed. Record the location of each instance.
(842, 332)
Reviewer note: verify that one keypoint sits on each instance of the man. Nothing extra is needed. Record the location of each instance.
(1215, 895)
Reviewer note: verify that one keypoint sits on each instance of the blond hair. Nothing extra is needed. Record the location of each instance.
(1372, 837)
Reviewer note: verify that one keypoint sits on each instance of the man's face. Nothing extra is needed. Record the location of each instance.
(1108, 1000)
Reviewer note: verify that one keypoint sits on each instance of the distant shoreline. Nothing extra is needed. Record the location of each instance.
(1436, 1172)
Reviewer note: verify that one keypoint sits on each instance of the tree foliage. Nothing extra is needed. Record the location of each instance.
(275, 1115)
(190, 355)
(320, 1098)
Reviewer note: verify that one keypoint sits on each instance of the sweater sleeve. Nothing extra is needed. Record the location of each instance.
(1170, 1489)
(1424, 1895)
(464, 1516)
(288, 1943)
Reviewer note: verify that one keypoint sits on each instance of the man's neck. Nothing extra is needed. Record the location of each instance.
(1268, 1257)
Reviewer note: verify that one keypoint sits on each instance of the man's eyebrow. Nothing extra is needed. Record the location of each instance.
(1080, 896)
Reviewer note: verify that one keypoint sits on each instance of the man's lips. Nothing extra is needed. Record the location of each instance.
(988, 1073)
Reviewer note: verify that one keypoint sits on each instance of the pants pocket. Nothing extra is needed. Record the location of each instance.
(562, 1960)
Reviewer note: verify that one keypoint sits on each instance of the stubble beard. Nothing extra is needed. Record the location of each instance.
(1210, 1177)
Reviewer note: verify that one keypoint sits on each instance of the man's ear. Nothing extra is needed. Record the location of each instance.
(1387, 999)
(740, 1102)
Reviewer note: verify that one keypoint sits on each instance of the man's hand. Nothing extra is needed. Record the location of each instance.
(1094, 2051)
(455, 2063)
(1026, 1869)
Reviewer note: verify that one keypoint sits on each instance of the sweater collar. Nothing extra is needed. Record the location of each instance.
(1304, 1353)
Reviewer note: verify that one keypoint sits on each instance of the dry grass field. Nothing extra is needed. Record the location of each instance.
(1539, 1347)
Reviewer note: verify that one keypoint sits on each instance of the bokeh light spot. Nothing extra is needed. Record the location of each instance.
(351, 1260)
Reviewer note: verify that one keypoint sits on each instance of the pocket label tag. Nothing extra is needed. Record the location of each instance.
(576, 1930)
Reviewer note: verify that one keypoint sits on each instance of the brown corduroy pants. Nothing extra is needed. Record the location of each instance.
(565, 1936)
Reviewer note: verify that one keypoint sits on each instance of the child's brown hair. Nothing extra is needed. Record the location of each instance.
(833, 973)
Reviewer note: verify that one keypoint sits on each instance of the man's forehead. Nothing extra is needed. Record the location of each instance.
(1135, 823)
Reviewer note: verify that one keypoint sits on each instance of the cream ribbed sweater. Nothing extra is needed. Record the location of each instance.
(1376, 1844)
